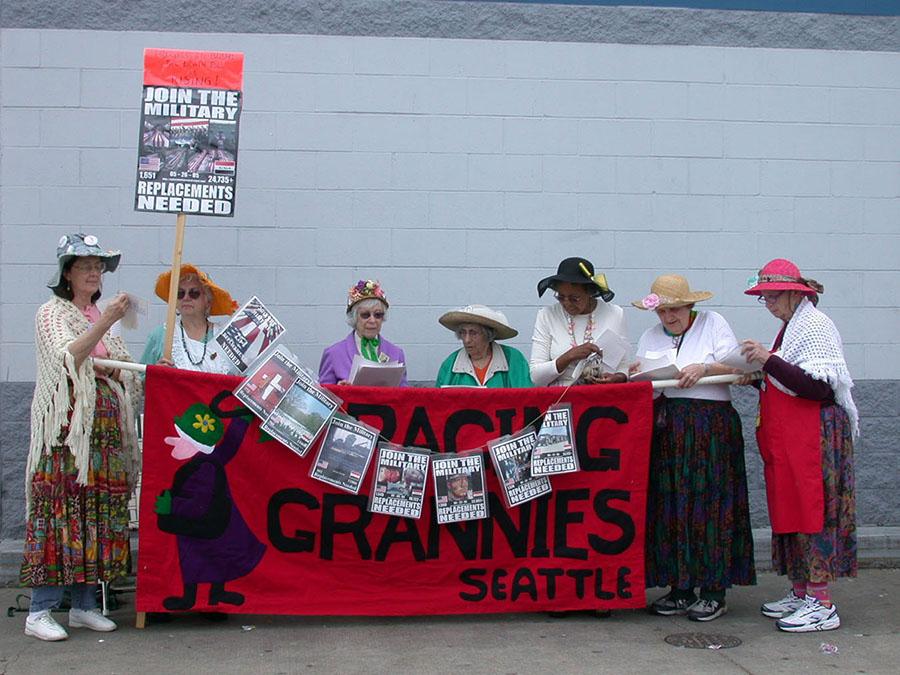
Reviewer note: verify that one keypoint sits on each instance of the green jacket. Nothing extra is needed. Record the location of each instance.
(508, 369)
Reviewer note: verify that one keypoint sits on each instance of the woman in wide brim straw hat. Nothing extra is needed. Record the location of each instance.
(193, 346)
(807, 422)
(82, 459)
(482, 362)
(698, 516)
(564, 333)
(367, 310)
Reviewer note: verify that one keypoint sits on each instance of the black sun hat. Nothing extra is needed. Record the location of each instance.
(578, 271)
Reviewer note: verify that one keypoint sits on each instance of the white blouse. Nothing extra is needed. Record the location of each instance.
(200, 355)
(551, 339)
(708, 340)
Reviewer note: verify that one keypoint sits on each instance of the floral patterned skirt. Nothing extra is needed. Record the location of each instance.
(79, 533)
(821, 558)
(698, 514)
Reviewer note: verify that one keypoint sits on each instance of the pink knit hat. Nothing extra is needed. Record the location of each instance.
(782, 275)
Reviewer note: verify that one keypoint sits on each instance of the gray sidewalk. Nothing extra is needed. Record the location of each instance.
(627, 642)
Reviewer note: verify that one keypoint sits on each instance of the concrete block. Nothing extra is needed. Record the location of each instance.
(614, 212)
(758, 140)
(688, 213)
(20, 47)
(651, 100)
(352, 170)
(39, 167)
(758, 214)
(440, 96)
(467, 58)
(540, 136)
(724, 176)
(861, 325)
(17, 363)
(63, 48)
(18, 322)
(197, 249)
(315, 131)
(449, 288)
(795, 178)
(313, 208)
(723, 102)
(855, 105)
(104, 88)
(865, 179)
(389, 133)
(548, 60)
(875, 470)
(577, 99)
(313, 54)
(502, 97)
(282, 92)
(828, 214)
(676, 63)
(842, 288)
(104, 167)
(427, 247)
(26, 283)
(513, 173)
(636, 249)
(390, 210)
(340, 246)
(880, 434)
(463, 210)
(833, 251)
(259, 131)
(596, 245)
(465, 134)
(881, 359)
(279, 169)
(615, 137)
(255, 208)
(327, 285)
(79, 206)
(365, 93)
(21, 205)
(881, 215)
(543, 211)
(825, 141)
(794, 104)
(504, 248)
(391, 56)
(20, 127)
(275, 247)
(578, 174)
(647, 175)
(80, 128)
(880, 289)
(877, 398)
(41, 87)
(427, 171)
(687, 139)
(881, 143)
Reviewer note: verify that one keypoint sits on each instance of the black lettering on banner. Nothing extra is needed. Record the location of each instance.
(599, 593)
(385, 412)
(498, 587)
(563, 518)
(392, 533)
(579, 576)
(523, 582)
(608, 458)
(506, 417)
(465, 535)
(516, 537)
(331, 526)
(540, 549)
(458, 420)
(302, 541)
(550, 574)
(623, 585)
(614, 516)
(469, 577)
(419, 423)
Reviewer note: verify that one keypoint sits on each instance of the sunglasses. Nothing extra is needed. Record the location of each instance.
(193, 293)
(366, 315)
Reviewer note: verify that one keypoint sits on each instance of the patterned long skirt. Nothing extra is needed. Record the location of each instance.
(821, 558)
(698, 514)
(79, 533)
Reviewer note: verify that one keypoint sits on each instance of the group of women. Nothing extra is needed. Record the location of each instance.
(82, 458)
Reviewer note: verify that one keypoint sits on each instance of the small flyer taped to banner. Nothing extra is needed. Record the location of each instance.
(398, 487)
(511, 456)
(459, 486)
(345, 453)
(265, 386)
(249, 333)
(554, 452)
(301, 414)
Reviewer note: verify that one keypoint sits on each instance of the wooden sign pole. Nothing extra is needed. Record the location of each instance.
(173, 285)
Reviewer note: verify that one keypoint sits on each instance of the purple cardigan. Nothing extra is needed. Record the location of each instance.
(337, 359)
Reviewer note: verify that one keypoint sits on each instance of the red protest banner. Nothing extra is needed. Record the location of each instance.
(237, 523)
(185, 68)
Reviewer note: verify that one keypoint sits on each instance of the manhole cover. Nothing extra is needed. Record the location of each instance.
(703, 640)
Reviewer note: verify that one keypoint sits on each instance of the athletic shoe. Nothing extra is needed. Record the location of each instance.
(93, 619)
(812, 616)
(668, 605)
(781, 608)
(44, 627)
(706, 610)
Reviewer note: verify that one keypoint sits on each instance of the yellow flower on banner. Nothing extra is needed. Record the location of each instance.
(204, 423)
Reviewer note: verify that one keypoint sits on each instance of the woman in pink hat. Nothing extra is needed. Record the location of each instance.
(807, 421)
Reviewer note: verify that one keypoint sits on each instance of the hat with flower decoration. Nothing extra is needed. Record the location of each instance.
(670, 290)
(782, 275)
(201, 426)
(366, 289)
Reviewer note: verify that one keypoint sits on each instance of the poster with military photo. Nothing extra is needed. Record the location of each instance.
(249, 333)
(268, 382)
(301, 415)
(554, 451)
(459, 487)
(511, 456)
(345, 453)
(398, 486)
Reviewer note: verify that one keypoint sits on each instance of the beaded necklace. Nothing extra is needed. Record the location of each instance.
(588, 330)
(187, 352)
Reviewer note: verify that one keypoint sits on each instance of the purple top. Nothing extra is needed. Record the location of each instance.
(337, 359)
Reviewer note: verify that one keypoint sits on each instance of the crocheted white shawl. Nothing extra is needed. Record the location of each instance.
(811, 341)
(61, 388)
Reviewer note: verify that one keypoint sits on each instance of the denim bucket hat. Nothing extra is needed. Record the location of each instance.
(80, 245)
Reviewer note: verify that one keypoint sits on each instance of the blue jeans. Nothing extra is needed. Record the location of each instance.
(84, 596)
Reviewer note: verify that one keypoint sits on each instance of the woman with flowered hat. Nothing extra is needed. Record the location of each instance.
(82, 459)
(193, 346)
(564, 333)
(807, 422)
(698, 517)
(481, 362)
(367, 308)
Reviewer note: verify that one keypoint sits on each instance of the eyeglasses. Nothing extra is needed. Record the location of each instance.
(366, 315)
(569, 298)
(192, 293)
(769, 299)
(88, 267)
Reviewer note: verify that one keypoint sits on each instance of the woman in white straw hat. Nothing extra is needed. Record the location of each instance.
(698, 515)
(482, 362)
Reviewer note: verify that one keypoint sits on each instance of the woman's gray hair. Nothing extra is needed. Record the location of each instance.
(489, 332)
(206, 289)
(371, 304)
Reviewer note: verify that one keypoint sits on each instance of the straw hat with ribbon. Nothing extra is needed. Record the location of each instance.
(670, 290)
(481, 315)
(222, 302)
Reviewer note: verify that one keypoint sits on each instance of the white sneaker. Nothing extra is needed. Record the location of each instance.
(44, 627)
(93, 619)
(812, 616)
(781, 608)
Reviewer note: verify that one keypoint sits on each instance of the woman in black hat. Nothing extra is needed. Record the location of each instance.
(565, 333)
